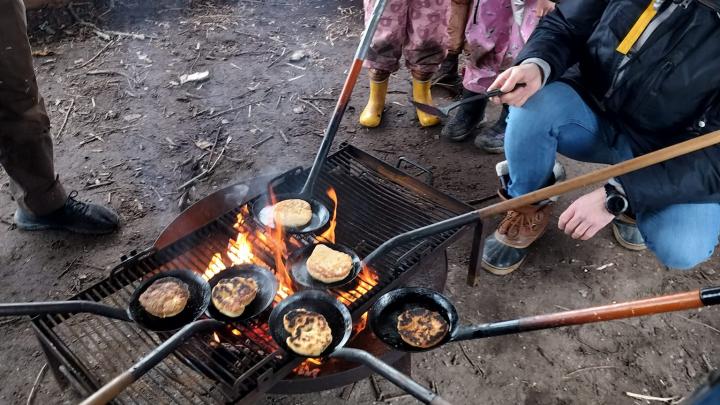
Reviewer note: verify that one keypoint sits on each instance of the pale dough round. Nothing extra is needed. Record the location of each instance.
(328, 265)
(292, 213)
(166, 297)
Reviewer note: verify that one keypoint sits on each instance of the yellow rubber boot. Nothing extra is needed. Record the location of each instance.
(372, 114)
(421, 94)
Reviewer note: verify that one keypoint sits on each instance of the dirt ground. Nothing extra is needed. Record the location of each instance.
(133, 135)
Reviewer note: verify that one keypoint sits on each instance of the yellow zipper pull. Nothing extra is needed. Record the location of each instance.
(637, 29)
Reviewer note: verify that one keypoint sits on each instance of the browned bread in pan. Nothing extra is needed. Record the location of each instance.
(309, 332)
(165, 297)
(422, 328)
(231, 295)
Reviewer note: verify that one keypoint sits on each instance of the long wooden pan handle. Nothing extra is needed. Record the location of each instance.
(342, 103)
(604, 174)
(649, 306)
(584, 180)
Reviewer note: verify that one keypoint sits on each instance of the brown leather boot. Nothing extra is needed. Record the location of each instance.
(523, 226)
(506, 249)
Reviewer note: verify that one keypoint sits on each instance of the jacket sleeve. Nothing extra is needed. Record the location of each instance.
(561, 35)
(691, 178)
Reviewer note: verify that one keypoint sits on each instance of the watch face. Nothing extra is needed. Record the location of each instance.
(616, 204)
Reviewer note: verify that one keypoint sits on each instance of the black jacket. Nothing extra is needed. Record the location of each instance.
(669, 92)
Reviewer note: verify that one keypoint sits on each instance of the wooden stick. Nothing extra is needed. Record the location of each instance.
(65, 121)
(604, 174)
(96, 55)
(31, 396)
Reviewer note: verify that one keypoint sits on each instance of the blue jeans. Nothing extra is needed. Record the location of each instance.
(557, 120)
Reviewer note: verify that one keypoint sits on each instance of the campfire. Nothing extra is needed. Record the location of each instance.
(369, 202)
(241, 250)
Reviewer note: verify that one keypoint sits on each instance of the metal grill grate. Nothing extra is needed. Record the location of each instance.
(375, 202)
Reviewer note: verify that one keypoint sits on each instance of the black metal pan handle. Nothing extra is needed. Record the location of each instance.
(118, 384)
(391, 374)
(56, 307)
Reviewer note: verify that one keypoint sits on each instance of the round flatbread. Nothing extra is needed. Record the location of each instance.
(165, 297)
(421, 328)
(231, 295)
(328, 265)
(293, 319)
(292, 213)
(309, 331)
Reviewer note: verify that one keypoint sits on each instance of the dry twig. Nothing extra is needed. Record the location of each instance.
(581, 370)
(31, 396)
(650, 398)
(96, 55)
(700, 323)
(262, 141)
(65, 121)
(312, 105)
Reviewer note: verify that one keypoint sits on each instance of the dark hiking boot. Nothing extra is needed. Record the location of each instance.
(448, 71)
(627, 234)
(506, 249)
(75, 216)
(492, 139)
(466, 118)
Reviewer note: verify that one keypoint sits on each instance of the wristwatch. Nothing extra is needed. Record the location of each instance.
(615, 202)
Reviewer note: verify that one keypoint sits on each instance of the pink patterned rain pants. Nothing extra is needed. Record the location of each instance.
(416, 29)
(493, 40)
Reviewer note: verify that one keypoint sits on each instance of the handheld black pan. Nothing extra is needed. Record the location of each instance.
(267, 288)
(340, 322)
(384, 313)
(198, 302)
(262, 209)
(297, 264)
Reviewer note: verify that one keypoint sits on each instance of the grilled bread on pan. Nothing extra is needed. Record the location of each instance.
(309, 331)
(328, 265)
(165, 297)
(292, 213)
(231, 295)
(422, 328)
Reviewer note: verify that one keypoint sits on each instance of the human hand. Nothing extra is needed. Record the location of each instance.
(586, 216)
(529, 73)
(544, 7)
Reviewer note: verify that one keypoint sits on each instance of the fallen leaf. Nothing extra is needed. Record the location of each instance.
(203, 144)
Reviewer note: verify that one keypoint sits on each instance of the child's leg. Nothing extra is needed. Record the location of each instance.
(487, 37)
(387, 43)
(427, 36)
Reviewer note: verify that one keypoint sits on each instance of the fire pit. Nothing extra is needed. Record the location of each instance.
(372, 202)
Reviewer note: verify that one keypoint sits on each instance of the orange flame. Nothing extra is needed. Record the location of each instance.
(240, 251)
(277, 235)
(215, 266)
(361, 324)
(216, 337)
(329, 234)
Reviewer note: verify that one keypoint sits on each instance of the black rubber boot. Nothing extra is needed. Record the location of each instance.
(492, 139)
(75, 216)
(466, 118)
(448, 72)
